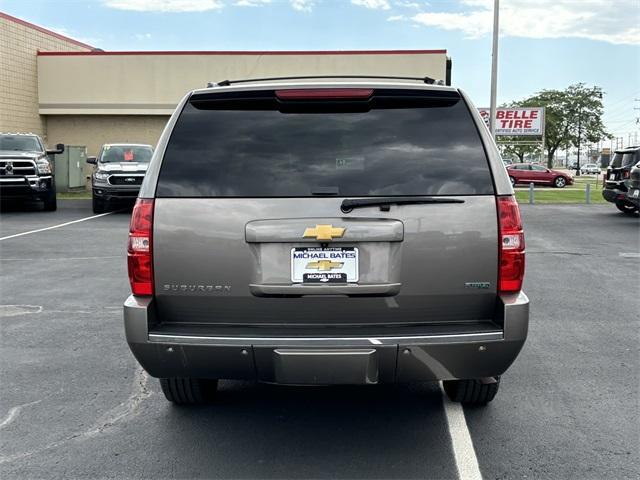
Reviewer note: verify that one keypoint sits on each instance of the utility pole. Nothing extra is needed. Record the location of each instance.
(579, 140)
(494, 69)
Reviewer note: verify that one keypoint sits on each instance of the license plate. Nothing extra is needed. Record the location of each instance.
(635, 193)
(324, 265)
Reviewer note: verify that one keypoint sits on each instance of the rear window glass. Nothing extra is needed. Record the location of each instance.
(226, 150)
(624, 159)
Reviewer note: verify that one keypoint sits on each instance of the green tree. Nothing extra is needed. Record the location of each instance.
(572, 116)
(509, 148)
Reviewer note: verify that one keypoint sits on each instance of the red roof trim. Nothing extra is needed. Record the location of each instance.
(44, 30)
(284, 52)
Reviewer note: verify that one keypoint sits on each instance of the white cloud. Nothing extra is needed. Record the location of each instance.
(478, 3)
(474, 24)
(302, 5)
(374, 4)
(164, 5)
(415, 5)
(396, 18)
(251, 3)
(143, 36)
(592, 19)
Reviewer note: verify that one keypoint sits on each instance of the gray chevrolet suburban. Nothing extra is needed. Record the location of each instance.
(325, 231)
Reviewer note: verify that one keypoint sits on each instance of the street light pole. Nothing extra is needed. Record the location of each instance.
(579, 140)
(494, 69)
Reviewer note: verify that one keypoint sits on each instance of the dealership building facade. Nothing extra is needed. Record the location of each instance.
(72, 93)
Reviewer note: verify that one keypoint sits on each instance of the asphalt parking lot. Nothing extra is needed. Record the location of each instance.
(74, 404)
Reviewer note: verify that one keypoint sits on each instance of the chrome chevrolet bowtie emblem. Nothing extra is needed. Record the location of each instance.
(324, 265)
(324, 232)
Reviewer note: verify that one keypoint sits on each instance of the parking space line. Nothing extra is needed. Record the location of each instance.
(13, 413)
(55, 226)
(463, 451)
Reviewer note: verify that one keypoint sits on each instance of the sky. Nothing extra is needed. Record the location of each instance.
(544, 44)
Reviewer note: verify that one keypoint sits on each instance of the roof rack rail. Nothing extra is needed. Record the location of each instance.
(226, 83)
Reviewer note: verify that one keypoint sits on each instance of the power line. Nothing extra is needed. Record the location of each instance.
(621, 101)
(620, 121)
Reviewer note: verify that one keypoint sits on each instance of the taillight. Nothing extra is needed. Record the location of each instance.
(511, 236)
(324, 93)
(140, 248)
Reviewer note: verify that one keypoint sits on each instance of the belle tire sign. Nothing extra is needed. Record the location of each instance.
(517, 121)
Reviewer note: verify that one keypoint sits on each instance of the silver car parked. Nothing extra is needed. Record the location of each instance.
(320, 232)
(590, 169)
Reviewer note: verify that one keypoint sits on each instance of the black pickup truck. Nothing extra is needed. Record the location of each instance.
(25, 170)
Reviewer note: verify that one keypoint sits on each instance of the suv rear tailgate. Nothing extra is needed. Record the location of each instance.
(246, 175)
(445, 263)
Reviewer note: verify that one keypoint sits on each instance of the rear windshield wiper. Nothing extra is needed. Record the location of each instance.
(386, 202)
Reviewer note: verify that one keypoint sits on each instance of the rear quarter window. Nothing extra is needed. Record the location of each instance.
(629, 159)
(258, 149)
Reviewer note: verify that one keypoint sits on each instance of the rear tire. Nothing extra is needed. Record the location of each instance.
(99, 206)
(559, 182)
(50, 201)
(627, 208)
(188, 391)
(471, 392)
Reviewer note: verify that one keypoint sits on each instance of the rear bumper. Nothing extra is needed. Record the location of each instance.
(329, 360)
(633, 196)
(612, 194)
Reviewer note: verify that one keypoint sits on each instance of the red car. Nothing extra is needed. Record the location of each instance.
(531, 173)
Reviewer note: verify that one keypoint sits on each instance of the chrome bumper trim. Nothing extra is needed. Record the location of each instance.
(26, 178)
(326, 341)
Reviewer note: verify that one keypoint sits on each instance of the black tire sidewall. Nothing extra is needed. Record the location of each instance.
(50, 201)
(626, 208)
(99, 205)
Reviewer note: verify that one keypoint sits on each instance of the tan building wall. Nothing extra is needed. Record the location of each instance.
(152, 83)
(19, 45)
(96, 130)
